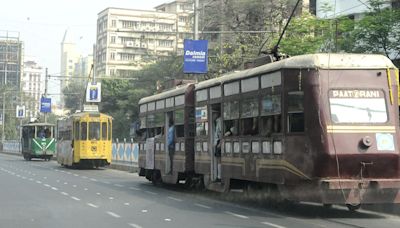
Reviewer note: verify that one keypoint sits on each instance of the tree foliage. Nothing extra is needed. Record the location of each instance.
(73, 95)
(379, 31)
(120, 97)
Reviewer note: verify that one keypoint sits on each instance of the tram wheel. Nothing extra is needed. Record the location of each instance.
(353, 207)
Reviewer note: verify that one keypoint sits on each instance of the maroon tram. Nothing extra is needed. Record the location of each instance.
(321, 128)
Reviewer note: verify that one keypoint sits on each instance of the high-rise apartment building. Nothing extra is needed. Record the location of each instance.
(69, 57)
(11, 49)
(32, 86)
(128, 39)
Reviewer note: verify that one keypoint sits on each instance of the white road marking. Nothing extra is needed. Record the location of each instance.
(153, 193)
(18, 175)
(58, 181)
(24, 178)
(144, 211)
(113, 214)
(64, 193)
(236, 215)
(39, 182)
(76, 175)
(118, 185)
(47, 185)
(134, 225)
(55, 189)
(273, 225)
(126, 204)
(65, 183)
(168, 220)
(92, 205)
(201, 205)
(92, 179)
(173, 198)
(133, 188)
(44, 177)
(98, 193)
(74, 186)
(30, 179)
(111, 198)
(85, 189)
(75, 198)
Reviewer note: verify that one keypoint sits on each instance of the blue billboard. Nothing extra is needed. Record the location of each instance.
(195, 56)
(45, 104)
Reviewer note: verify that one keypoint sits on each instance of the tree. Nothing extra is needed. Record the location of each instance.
(74, 94)
(307, 34)
(379, 31)
(120, 98)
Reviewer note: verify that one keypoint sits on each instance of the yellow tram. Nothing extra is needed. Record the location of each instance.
(85, 140)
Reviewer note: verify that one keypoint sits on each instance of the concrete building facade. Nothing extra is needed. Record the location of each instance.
(32, 86)
(11, 57)
(129, 39)
(69, 57)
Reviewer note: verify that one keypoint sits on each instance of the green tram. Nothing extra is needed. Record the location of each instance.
(38, 141)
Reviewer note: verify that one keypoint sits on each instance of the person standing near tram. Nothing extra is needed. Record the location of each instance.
(217, 142)
(171, 142)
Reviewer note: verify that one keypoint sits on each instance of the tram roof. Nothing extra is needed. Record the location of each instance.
(313, 61)
(169, 93)
(81, 114)
(38, 124)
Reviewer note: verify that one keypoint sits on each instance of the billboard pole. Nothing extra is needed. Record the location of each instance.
(45, 92)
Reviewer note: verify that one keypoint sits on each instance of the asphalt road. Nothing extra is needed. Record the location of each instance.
(44, 194)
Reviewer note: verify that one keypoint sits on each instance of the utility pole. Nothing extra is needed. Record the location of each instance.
(196, 20)
(45, 92)
(4, 118)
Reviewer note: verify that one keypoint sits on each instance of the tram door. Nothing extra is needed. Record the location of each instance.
(215, 141)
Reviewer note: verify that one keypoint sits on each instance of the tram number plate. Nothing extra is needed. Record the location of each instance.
(93, 149)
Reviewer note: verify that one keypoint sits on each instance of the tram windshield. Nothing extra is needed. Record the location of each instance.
(94, 130)
(358, 107)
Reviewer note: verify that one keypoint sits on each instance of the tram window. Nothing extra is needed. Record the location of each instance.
(270, 124)
(109, 130)
(180, 131)
(231, 127)
(83, 131)
(201, 95)
(231, 110)
(249, 84)
(295, 111)
(215, 92)
(179, 100)
(202, 129)
(271, 105)
(143, 108)
(151, 106)
(104, 131)
(231, 88)
(94, 130)
(249, 126)
(76, 130)
(296, 122)
(249, 117)
(201, 121)
(169, 102)
(272, 79)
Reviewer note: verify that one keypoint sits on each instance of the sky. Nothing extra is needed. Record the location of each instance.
(41, 25)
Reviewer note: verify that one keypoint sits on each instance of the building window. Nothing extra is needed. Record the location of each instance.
(112, 72)
(129, 24)
(183, 19)
(166, 27)
(112, 56)
(113, 23)
(112, 39)
(165, 43)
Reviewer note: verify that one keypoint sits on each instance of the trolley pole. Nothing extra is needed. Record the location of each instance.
(45, 93)
(4, 118)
